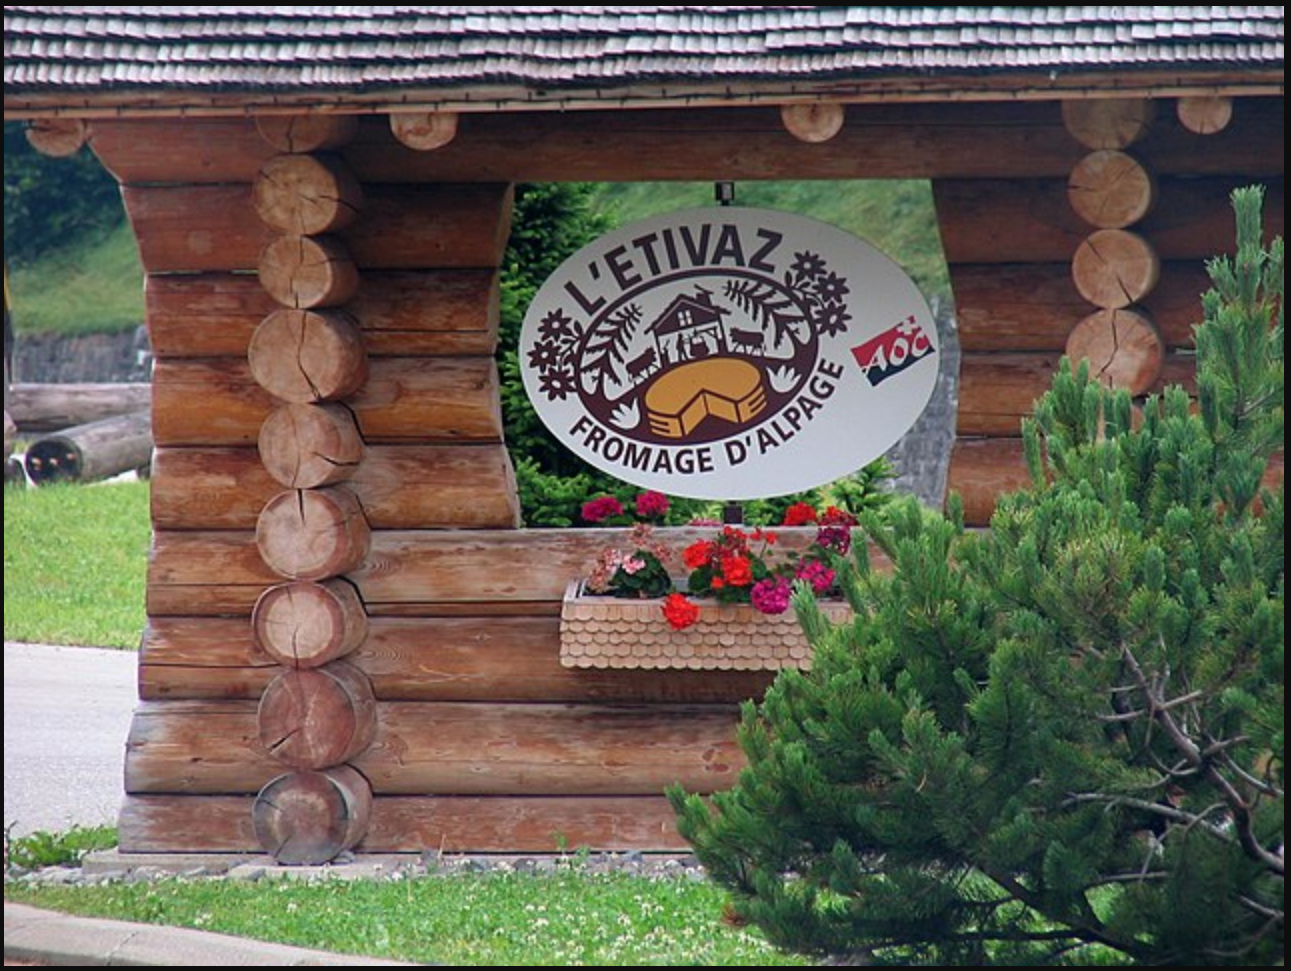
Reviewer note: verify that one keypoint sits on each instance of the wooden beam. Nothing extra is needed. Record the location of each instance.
(1030, 221)
(424, 131)
(484, 659)
(216, 402)
(977, 140)
(997, 390)
(416, 313)
(404, 824)
(399, 487)
(1034, 306)
(423, 748)
(213, 228)
(469, 573)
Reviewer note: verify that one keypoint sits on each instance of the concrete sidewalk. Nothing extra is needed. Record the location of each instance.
(46, 937)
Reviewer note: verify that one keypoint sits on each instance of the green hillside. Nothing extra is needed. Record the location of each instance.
(91, 286)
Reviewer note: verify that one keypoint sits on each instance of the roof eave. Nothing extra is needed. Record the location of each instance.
(1012, 86)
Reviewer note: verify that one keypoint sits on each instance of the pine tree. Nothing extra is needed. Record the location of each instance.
(1060, 741)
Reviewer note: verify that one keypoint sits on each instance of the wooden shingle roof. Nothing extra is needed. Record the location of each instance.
(534, 53)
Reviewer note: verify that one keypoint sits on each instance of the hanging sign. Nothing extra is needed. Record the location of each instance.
(729, 353)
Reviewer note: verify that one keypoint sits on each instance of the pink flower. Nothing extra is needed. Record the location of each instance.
(600, 509)
(771, 596)
(652, 505)
(818, 575)
(633, 565)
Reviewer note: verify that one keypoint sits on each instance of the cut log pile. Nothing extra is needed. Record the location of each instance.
(81, 432)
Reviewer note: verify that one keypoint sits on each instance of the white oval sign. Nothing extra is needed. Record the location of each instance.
(729, 353)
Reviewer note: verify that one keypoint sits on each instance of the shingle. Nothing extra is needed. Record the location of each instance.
(241, 47)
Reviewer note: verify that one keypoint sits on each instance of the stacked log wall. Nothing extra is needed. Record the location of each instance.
(1010, 241)
(484, 741)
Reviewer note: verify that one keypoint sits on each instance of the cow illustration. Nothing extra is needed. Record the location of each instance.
(642, 366)
(747, 340)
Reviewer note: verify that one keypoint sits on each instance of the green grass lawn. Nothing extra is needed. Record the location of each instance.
(95, 286)
(569, 918)
(75, 557)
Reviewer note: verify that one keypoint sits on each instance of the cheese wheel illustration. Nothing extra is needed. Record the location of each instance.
(728, 389)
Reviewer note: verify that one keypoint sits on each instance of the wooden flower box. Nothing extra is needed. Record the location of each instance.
(610, 632)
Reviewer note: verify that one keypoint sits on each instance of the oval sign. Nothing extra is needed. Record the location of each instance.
(729, 353)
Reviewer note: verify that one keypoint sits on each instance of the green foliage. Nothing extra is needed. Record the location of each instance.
(68, 848)
(75, 557)
(49, 202)
(1060, 742)
(569, 918)
(551, 222)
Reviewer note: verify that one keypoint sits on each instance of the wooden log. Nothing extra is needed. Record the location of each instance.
(982, 469)
(1033, 306)
(483, 659)
(1108, 122)
(908, 140)
(305, 272)
(465, 573)
(87, 453)
(307, 625)
(414, 824)
(453, 749)
(306, 356)
(317, 718)
(1111, 189)
(523, 824)
(202, 658)
(413, 400)
(57, 137)
(305, 133)
(814, 123)
(37, 408)
(212, 228)
(313, 534)
(997, 390)
(1031, 221)
(308, 446)
(399, 487)
(1123, 348)
(435, 312)
(196, 747)
(1115, 268)
(311, 818)
(1205, 115)
(306, 195)
(424, 131)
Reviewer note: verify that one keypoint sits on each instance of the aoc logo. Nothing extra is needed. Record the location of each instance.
(728, 353)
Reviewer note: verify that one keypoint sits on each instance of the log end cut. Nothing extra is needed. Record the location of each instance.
(311, 818)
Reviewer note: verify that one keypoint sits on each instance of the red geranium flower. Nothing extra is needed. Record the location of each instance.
(737, 570)
(697, 555)
(600, 509)
(679, 612)
(799, 514)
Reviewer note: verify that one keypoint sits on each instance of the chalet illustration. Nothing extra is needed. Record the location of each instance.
(690, 329)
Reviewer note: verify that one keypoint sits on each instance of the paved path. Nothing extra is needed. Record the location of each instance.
(66, 716)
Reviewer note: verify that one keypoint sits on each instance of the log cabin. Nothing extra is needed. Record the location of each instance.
(351, 644)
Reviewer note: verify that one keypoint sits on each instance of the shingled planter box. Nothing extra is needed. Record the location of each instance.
(610, 632)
